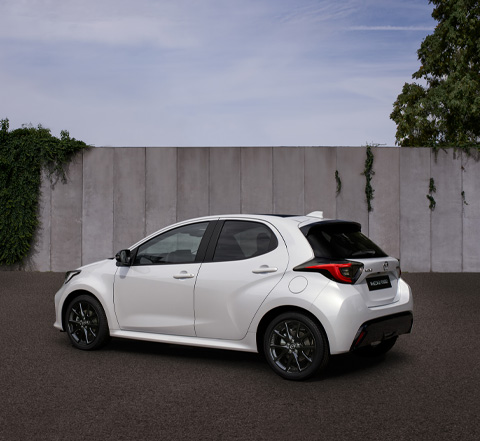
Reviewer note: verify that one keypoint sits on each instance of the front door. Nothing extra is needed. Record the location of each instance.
(155, 294)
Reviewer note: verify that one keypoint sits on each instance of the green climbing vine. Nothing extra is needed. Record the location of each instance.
(24, 152)
(431, 189)
(339, 182)
(368, 173)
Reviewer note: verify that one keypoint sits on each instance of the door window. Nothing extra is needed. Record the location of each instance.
(242, 240)
(175, 246)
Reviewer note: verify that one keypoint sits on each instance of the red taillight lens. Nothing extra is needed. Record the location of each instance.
(341, 272)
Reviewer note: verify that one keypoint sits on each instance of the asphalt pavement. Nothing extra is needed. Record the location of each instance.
(426, 388)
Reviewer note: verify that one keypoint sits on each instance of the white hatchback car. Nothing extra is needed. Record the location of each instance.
(295, 288)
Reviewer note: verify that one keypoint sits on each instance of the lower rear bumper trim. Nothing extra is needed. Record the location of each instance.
(383, 328)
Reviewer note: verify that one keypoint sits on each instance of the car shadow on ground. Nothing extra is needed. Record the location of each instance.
(352, 364)
(339, 365)
(179, 351)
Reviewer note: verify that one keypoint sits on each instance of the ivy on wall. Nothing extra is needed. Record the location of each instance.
(24, 153)
(431, 189)
(338, 182)
(368, 173)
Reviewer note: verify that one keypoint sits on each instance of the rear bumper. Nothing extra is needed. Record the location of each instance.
(383, 328)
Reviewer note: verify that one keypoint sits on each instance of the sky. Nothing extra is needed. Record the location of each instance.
(210, 72)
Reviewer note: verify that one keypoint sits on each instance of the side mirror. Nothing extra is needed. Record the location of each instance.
(123, 258)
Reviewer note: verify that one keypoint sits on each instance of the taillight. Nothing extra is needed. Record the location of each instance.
(343, 272)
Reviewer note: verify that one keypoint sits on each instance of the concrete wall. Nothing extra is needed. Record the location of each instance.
(115, 196)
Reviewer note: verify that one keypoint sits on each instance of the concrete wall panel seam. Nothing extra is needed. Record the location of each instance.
(177, 178)
(432, 158)
(50, 211)
(145, 193)
(304, 181)
(273, 180)
(462, 194)
(81, 210)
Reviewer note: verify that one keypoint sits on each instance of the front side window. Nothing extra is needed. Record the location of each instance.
(242, 240)
(341, 240)
(175, 246)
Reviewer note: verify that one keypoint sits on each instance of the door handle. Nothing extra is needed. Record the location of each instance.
(265, 269)
(184, 275)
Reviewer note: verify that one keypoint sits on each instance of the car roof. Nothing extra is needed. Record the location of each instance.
(298, 219)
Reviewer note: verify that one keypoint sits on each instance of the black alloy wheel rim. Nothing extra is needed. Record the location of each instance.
(83, 323)
(292, 346)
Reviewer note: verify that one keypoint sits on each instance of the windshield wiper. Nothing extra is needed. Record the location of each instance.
(363, 252)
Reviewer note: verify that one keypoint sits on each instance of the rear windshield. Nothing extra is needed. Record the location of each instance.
(340, 240)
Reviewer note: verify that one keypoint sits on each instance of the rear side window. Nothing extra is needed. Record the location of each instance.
(340, 240)
(242, 240)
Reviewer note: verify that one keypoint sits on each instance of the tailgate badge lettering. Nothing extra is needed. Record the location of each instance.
(385, 266)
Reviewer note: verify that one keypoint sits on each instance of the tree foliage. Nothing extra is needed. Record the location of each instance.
(445, 109)
(24, 153)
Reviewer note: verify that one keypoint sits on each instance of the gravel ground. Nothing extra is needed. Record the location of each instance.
(427, 387)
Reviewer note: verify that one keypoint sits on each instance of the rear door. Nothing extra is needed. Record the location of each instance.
(245, 261)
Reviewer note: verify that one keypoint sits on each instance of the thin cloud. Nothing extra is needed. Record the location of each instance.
(323, 11)
(131, 28)
(390, 28)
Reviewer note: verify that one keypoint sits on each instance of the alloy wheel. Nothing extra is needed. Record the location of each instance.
(292, 346)
(83, 323)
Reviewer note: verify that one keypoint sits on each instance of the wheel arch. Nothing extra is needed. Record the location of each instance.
(72, 296)
(275, 312)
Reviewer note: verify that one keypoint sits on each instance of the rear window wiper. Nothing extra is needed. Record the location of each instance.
(364, 253)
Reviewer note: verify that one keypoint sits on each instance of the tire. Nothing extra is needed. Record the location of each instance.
(295, 346)
(378, 349)
(86, 323)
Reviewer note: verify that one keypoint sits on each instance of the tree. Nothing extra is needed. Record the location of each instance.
(445, 109)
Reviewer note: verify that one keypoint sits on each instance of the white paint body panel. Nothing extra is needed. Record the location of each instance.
(149, 299)
(228, 294)
(95, 278)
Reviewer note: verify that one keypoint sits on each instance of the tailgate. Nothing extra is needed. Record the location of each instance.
(378, 282)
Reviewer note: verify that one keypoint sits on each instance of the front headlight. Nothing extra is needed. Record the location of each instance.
(69, 275)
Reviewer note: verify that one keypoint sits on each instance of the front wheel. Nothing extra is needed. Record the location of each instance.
(295, 346)
(86, 323)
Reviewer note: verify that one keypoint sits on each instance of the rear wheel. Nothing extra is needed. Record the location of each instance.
(376, 349)
(295, 346)
(86, 323)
